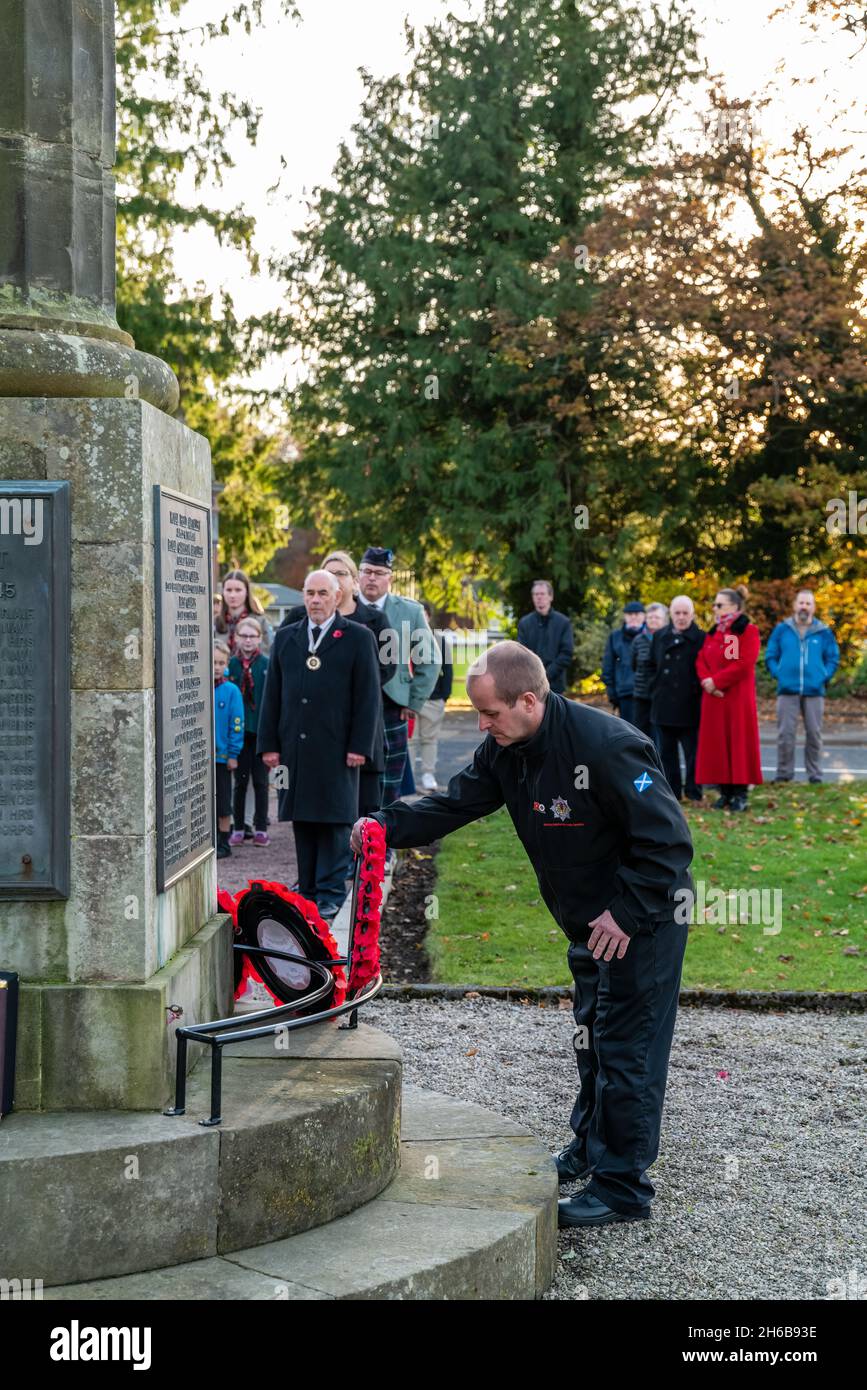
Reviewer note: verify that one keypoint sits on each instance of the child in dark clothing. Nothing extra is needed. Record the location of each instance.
(228, 742)
(247, 669)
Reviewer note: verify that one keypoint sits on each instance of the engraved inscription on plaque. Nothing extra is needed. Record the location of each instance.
(35, 566)
(184, 685)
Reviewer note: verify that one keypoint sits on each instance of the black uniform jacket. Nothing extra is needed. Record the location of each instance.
(314, 718)
(617, 840)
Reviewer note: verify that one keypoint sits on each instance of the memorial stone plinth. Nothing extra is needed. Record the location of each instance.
(103, 969)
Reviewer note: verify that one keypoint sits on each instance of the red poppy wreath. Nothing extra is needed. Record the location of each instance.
(262, 900)
(365, 940)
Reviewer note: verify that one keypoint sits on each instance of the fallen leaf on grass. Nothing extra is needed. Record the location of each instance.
(851, 950)
(786, 959)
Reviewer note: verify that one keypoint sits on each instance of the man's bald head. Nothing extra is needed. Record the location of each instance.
(514, 669)
(321, 594)
(508, 687)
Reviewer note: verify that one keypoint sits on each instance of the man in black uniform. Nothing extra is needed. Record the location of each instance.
(611, 851)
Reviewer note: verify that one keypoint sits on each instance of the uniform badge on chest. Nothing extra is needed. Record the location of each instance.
(560, 808)
(313, 663)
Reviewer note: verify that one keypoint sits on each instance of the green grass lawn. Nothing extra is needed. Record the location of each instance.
(808, 842)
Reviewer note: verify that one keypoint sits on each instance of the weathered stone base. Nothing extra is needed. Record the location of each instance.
(471, 1215)
(309, 1134)
(112, 1046)
(100, 969)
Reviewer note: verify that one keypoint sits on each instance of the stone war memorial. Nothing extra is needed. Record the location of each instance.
(110, 933)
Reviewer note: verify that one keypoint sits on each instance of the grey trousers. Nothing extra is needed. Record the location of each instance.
(788, 708)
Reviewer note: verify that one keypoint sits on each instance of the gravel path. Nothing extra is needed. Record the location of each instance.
(760, 1179)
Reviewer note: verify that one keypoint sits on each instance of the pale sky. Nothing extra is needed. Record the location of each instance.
(305, 78)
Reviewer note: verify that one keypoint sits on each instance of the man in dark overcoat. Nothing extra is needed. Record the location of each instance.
(676, 694)
(319, 720)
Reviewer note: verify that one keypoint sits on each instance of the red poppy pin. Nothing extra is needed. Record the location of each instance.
(338, 632)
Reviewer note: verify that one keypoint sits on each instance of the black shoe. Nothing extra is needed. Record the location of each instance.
(223, 851)
(587, 1210)
(738, 803)
(571, 1167)
(782, 779)
(695, 796)
(815, 781)
(722, 803)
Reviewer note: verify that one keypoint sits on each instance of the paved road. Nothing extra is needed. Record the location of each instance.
(845, 755)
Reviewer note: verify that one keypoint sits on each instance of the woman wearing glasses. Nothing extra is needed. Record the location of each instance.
(728, 736)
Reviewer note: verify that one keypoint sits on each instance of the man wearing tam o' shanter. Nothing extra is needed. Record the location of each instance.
(611, 851)
(408, 645)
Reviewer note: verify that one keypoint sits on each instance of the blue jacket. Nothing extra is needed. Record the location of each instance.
(802, 665)
(617, 673)
(228, 721)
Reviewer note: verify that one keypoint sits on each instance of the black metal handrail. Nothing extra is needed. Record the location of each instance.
(206, 1033)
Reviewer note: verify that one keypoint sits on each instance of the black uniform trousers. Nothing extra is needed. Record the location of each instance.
(627, 1008)
(323, 853)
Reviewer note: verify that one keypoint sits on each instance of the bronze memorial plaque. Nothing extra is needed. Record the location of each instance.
(184, 685)
(35, 566)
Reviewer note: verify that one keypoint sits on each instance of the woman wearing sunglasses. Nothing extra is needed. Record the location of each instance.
(728, 735)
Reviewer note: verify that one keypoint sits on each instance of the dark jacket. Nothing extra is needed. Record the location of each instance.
(251, 708)
(620, 843)
(639, 659)
(674, 685)
(314, 718)
(551, 639)
(802, 659)
(617, 673)
(376, 622)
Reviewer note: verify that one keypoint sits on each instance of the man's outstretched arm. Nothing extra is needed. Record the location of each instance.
(472, 793)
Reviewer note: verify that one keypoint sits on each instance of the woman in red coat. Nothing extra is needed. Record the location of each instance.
(728, 735)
